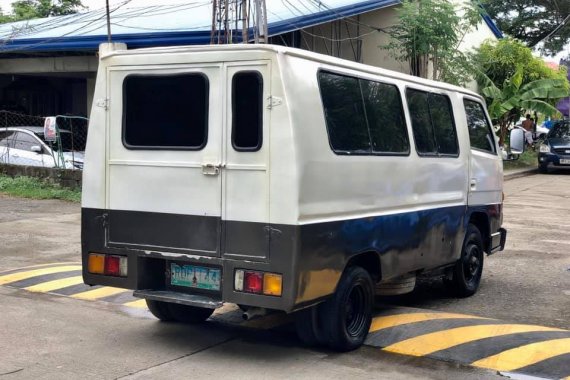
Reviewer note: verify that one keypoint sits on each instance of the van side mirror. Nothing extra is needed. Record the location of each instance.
(36, 148)
(517, 141)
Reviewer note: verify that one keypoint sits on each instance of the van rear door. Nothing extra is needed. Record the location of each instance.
(164, 156)
(245, 181)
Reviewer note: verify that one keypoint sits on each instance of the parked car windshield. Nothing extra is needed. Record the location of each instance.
(66, 142)
(560, 130)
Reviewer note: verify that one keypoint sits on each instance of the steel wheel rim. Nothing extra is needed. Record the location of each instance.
(355, 318)
(472, 263)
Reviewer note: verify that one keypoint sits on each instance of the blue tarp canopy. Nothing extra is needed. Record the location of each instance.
(164, 25)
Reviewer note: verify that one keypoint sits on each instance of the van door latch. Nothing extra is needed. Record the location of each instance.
(211, 169)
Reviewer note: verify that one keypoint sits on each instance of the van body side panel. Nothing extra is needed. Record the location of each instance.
(93, 184)
(310, 257)
(338, 188)
(401, 241)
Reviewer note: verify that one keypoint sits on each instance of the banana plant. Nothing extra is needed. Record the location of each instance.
(508, 102)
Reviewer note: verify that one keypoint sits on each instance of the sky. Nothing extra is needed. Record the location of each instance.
(96, 4)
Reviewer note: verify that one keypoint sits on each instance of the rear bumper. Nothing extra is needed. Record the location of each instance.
(498, 241)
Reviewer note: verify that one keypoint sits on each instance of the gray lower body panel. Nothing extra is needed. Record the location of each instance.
(311, 258)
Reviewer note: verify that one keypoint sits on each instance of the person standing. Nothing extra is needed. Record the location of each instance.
(528, 126)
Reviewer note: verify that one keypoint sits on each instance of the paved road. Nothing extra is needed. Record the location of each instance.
(49, 336)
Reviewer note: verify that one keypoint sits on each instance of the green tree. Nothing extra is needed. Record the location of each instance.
(427, 36)
(510, 100)
(29, 9)
(531, 21)
(500, 59)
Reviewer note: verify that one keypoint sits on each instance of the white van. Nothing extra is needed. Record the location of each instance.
(276, 178)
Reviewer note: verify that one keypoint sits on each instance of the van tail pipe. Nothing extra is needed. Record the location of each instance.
(254, 312)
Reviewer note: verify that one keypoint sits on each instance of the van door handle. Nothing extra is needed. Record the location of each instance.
(473, 184)
(211, 169)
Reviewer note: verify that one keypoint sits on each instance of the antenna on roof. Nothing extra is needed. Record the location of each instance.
(108, 22)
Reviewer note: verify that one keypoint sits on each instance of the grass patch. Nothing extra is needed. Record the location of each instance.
(529, 159)
(36, 188)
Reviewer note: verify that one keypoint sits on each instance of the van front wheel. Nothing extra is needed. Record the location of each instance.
(346, 317)
(466, 274)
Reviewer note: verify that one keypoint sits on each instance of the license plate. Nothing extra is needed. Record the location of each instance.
(564, 161)
(192, 276)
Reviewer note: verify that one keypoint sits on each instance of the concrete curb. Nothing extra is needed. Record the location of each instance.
(519, 173)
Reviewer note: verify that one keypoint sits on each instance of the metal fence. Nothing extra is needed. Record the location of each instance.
(22, 141)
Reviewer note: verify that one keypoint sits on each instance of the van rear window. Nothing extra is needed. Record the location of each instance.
(165, 111)
(247, 111)
(363, 116)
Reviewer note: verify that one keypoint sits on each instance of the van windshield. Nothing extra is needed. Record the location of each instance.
(560, 130)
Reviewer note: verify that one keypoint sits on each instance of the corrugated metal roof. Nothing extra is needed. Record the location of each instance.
(163, 25)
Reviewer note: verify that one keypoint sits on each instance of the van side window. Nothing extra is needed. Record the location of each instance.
(165, 111)
(362, 116)
(432, 124)
(344, 113)
(480, 133)
(443, 125)
(385, 116)
(421, 122)
(247, 111)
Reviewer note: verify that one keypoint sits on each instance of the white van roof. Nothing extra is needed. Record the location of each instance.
(300, 53)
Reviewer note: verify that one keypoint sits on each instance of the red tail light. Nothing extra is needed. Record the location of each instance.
(253, 282)
(113, 266)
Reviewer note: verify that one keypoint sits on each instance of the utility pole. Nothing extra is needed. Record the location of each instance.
(229, 15)
(260, 21)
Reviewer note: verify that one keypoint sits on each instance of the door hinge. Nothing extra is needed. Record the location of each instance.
(274, 101)
(103, 103)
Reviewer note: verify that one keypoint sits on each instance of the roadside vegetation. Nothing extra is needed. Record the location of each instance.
(35, 188)
(528, 159)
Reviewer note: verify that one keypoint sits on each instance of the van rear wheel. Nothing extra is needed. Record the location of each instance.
(160, 310)
(345, 318)
(189, 314)
(466, 274)
(308, 326)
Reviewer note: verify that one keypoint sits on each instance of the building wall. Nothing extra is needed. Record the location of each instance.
(340, 38)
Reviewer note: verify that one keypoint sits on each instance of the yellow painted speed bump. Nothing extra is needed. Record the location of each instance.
(139, 304)
(524, 356)
(49, 286)
(18, 276)
(67, 285)
(482, 342)
(426, 344)
(389, 321)
(97, 293)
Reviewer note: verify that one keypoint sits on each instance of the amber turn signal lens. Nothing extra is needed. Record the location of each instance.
(96, 263)
(272, 284)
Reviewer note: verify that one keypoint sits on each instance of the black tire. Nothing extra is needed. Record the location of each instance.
(542, 168)
(307, 324)
(345, 317)
(466, 274)
(160, 310)
(189, 314)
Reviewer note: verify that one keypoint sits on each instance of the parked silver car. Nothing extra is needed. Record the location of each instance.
(26, 146)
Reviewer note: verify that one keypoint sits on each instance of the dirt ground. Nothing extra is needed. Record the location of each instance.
(38, 232)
